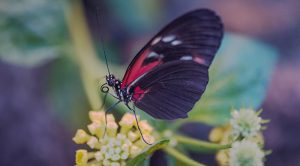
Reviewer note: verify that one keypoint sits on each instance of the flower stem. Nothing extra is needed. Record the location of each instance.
(90, 67)
(200, 145)
(181, 157)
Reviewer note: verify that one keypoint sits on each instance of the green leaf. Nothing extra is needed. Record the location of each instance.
(32, 32)
(66, 93)
(239, 77)
(142, 157)
(126, 12)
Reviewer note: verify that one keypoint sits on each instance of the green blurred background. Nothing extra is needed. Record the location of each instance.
(42, 96)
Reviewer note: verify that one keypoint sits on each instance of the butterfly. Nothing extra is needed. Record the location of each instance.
(170, 73)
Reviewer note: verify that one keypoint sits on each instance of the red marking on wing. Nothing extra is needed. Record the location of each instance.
(199, 60)
(138, 93)
(137, 69)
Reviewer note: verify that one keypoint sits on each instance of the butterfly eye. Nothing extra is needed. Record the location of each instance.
(110, 82)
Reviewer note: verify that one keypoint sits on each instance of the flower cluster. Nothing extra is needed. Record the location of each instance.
(120, 143)
(245, 153)
(245, 123)
(244, 132)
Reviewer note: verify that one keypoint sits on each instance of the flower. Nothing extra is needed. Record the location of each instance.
(82, 157)
(81, 137)
(216, 134)
(121, 142)
(245, 123)
(245, 153)
(223, 135)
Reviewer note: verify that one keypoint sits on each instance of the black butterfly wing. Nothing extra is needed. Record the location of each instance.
(170, 73)
(171, 90)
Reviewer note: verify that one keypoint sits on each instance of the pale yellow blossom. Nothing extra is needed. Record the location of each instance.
(121, 142)
(81, 137)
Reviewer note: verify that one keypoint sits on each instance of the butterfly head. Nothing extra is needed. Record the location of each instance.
(111, 79)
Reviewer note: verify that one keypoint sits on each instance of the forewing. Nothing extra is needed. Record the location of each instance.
(194, 36)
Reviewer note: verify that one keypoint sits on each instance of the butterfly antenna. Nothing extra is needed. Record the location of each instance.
(100, 37)
(138, 126)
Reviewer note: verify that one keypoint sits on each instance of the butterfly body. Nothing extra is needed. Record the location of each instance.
(169, 75)
(122, 93)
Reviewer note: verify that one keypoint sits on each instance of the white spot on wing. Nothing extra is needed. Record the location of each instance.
(186, 58)
(156, 40)
(168, 38)
(136, 80)
(176, 42)
(152, 54)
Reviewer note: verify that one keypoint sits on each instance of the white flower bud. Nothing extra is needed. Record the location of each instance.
(115, 164)
(107, 156)
(117, 150)
(99, 156)
(124, 155)
(125, 147)
(103, 148)
(106, 162)
(245, 123)
(245, 153)
(115, 157)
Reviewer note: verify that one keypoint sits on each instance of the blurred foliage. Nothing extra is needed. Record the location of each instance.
(32, 31)
(135, 15)
(239, 77)
(66, 93)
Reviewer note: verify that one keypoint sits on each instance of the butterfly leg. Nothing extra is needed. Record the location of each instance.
(106, 112)
(137, 122)
(103, 101)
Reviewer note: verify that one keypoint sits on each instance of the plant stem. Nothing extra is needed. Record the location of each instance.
(90, 67)
(181, 157)
(200, 145)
